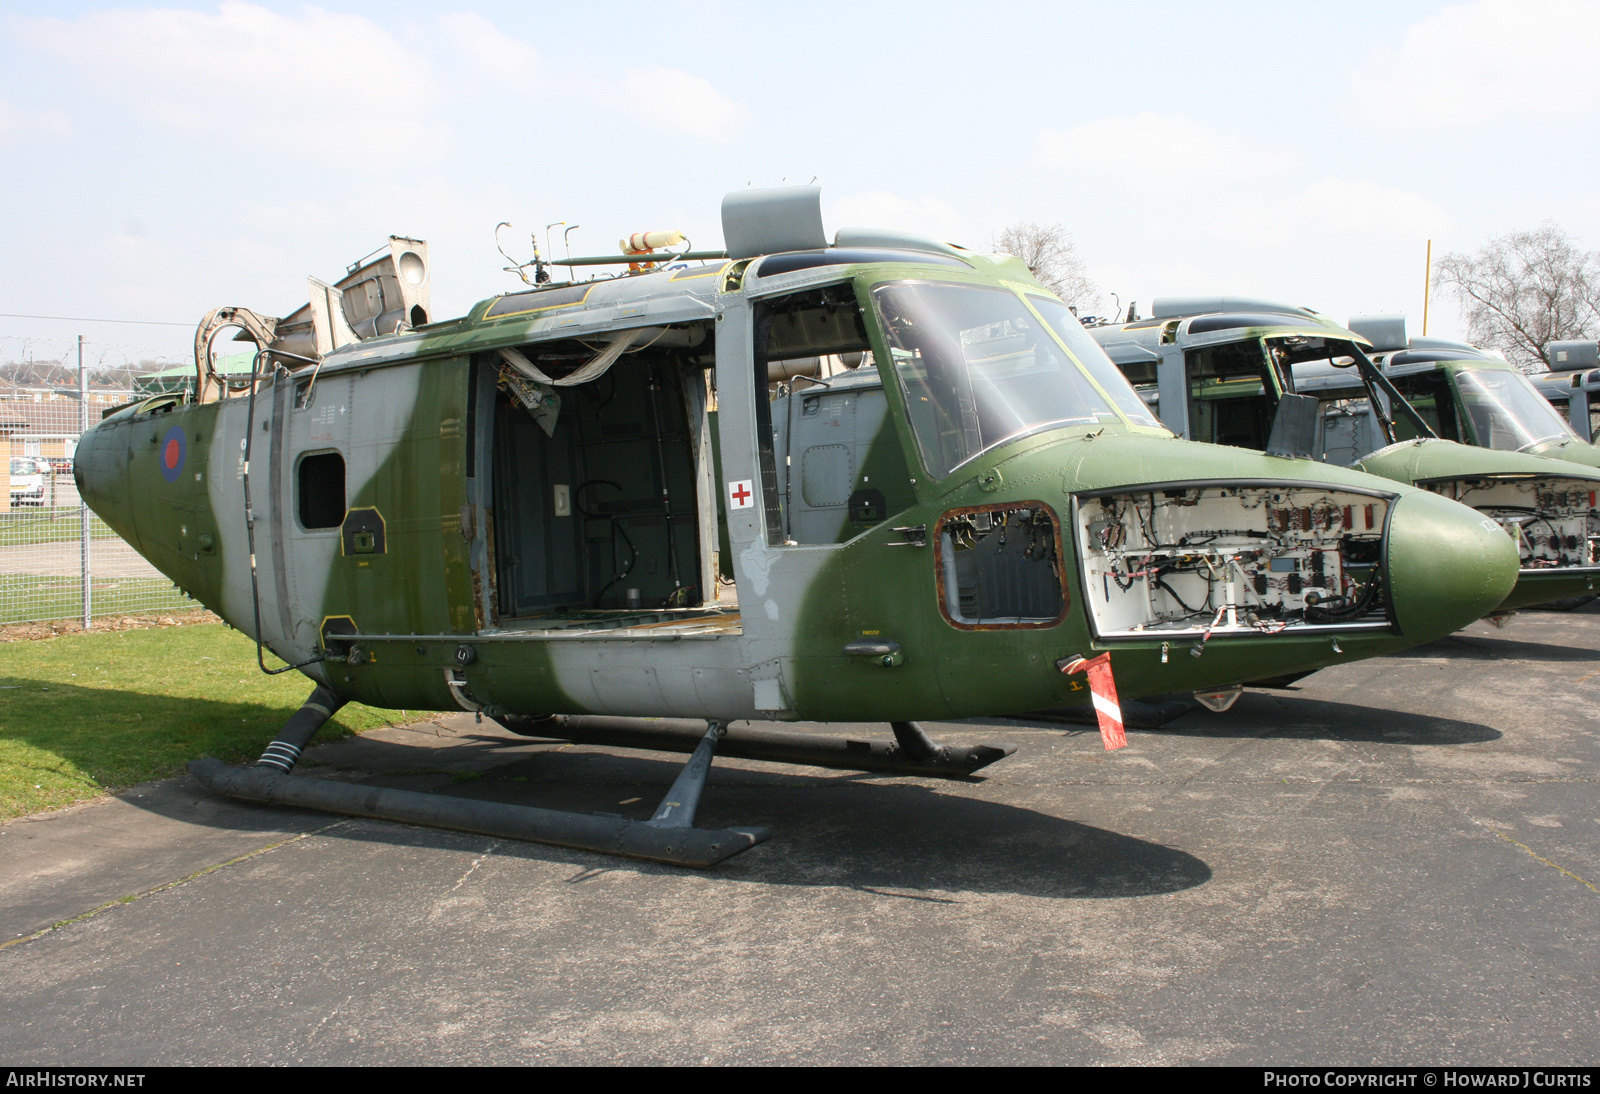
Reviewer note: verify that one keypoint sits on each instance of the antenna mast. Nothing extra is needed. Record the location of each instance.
(1427, 287)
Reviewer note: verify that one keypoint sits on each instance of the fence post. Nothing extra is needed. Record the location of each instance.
(83, 508)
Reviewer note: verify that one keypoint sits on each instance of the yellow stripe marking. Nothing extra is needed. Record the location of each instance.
(91, 913)
(1544, 860)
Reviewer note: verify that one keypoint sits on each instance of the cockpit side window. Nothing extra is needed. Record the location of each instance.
(799, 340)
(1430, 396)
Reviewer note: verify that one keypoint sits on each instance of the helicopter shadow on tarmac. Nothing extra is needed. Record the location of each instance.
(1270, 715)
(832, 828)
(1474, 647)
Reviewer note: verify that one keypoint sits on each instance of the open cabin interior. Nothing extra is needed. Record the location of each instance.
(604, 508)
(606, 499)
(605, 494)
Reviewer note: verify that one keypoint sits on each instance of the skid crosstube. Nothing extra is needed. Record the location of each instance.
(678, 846)
(910, 753)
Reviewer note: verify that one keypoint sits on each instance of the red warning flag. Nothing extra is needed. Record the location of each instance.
(1103, 692)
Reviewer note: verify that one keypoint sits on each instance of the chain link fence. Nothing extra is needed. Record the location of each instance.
(57, 559)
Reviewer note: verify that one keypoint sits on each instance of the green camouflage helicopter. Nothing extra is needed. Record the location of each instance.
(1478, 398)
(1220, 369)
(954, 500)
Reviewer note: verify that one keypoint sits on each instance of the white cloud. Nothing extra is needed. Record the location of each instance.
(17, 122)
(882, 209)
(1150, 144)
(1338, 207)
(673, 100)
(490, 52)
(1495, 58)
(320, 84)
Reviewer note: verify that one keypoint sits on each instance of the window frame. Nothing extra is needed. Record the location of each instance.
(1059, 567)
(299, 491)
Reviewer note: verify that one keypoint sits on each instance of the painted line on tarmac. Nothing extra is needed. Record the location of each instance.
(1541, 858)
(92, 912)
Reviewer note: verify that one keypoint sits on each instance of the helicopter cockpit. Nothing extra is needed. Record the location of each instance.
(1506, 411)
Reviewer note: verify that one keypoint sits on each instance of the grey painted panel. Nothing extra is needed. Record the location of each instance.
(827, 472)
(1174, 387)
(626, 689)
(763, 222)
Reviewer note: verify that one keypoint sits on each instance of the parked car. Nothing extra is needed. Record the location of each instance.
(61, 465)
(27, 483)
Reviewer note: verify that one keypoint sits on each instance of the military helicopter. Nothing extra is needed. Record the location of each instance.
(1480, 398)
(528, 511)
(1218, 369)
(1573, 385)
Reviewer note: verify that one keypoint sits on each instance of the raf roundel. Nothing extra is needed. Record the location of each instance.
(171, 454)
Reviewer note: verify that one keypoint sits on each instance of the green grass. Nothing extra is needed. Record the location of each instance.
(86, 713)
(28, 597)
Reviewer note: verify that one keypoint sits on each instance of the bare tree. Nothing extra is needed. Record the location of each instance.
(1521, 291)
(1049, 252)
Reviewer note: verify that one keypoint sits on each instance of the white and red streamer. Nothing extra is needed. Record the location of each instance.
(1103, 693)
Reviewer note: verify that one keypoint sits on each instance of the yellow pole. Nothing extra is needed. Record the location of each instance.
(1427, 288)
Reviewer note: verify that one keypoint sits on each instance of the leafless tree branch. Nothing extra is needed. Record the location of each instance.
(1519, 292)
(1049, 252)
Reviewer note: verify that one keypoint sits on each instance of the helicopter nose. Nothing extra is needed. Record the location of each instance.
(1447, 565)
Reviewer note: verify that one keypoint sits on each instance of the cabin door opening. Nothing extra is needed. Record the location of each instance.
(1231, 395)
(831, 463)
(601, 490)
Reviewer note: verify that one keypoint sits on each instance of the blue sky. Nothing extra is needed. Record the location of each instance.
(165, 160)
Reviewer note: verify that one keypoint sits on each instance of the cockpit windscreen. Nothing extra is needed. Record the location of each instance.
(978, 368)
(1093, 359)
(1507, 412)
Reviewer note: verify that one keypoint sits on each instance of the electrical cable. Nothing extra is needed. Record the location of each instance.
(633, 558)
(85, 319)
(616, 529)
(1161, 583)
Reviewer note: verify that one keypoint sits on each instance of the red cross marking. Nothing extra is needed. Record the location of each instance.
(741, 495)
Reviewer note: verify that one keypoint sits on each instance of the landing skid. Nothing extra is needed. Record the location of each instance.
(668, 836)
(912, 752)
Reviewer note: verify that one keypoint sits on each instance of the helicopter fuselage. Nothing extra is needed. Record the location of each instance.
(537, 508)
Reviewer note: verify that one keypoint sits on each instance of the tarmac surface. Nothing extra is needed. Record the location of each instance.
(1395, 863)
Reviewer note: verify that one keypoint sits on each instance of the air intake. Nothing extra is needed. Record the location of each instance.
(1572, 356)
(1385, 332)
(766, 222)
